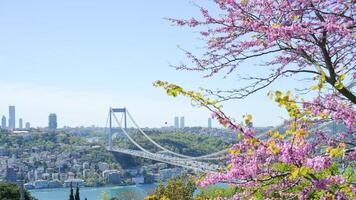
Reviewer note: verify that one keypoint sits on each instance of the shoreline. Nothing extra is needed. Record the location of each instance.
(88, 187)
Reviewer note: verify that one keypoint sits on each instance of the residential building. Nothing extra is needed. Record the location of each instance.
(209, 123)
(12, 117)
(181, 122)
(176, 122)
(55, 184)
(52, 121)
(28, 125)
(20, 123)
(3, 122)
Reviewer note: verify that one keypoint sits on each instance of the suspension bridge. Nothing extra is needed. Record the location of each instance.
(165, 155)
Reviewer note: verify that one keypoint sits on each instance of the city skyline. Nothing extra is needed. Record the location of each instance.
(178, 122)
(11, 122)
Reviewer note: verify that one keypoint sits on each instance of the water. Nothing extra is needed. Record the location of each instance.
(137, 192)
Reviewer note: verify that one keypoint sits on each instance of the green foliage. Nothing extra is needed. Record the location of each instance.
(9, 191)
(77, 196)
(95, 180)
(104, 196)
(177, 188)
(213, 192)
(71, 195)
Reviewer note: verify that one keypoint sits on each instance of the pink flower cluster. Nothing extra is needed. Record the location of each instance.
(318, 163)
(251, 159)
(334, 107)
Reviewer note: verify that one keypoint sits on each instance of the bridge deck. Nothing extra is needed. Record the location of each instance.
(189, 164)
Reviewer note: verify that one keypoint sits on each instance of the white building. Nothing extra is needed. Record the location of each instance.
(74, 182)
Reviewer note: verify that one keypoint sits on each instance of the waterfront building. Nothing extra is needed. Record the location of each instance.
(28, 125)
(40, 184)
(46, 176)
(3, 122)
(209, 123)
(20, 123)
(176, 122)
(138, 180)
(71, 175)
(12, 117)
(182, 122)
(55, 184)
(52, 121)
(112, 176)
(55, 176)
(29, 186)
(74, 182)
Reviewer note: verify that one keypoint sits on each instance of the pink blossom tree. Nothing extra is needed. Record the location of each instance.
(311, 37)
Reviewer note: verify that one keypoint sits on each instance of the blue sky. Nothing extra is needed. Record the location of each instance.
(78, 57)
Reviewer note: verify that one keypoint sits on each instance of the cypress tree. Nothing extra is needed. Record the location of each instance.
(77, 197)
(71, 196)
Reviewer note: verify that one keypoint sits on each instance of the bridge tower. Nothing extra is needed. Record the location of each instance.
(111, 112)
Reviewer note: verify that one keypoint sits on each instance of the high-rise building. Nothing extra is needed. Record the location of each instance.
(209, 123)
(52, 121)
(3, 122)
(181, 122)
(176, 122)
(27, 125)
(12, 123)
(20, 123)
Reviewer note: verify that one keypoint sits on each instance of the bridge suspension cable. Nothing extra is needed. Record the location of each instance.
(204, 157)
(170, 160)
(155, 143)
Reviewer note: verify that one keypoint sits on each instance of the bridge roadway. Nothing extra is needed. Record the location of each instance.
(189, 164)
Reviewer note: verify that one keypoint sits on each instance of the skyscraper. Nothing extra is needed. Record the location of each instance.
(20, 123)
(27, 125)
(181, 122)
(52, 121)
(12, 123)
(209, 122)
(176, 122)
(3, 122)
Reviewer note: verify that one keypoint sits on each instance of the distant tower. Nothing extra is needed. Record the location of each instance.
(52, 121)
(27, 125)
(3, 122)
(209, 123)
(12, 124)
(176, 122)
(20, 123)
(181, 122)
